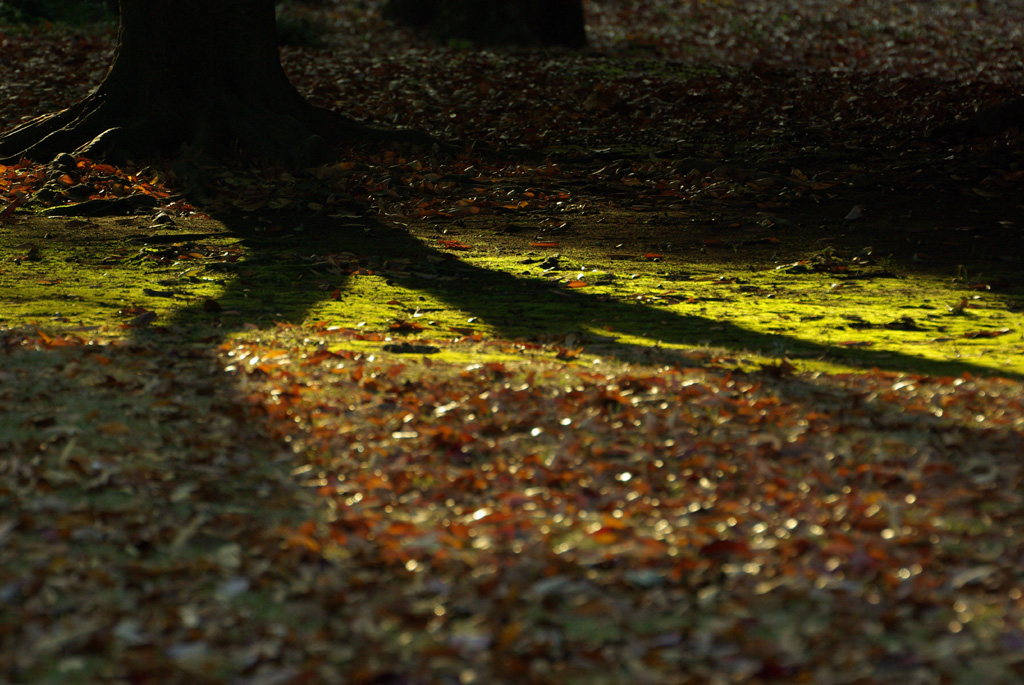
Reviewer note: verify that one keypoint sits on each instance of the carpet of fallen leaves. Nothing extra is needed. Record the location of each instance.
(499, 522)
(549, 522)
(278, 508)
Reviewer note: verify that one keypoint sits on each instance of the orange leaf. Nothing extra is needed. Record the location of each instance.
(987, 334)
(612, 523)
(549, 243)
(405, 326)
(9, 210)
(303, 541)
(565, 353)
(319, 357)
(508, 634)
(725, 548)
(605, 537)
(453, 244)
(113, 428)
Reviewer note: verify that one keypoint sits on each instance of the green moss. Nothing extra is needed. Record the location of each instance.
(824, 311)
(99, 276)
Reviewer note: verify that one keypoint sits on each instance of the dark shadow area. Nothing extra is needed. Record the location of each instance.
(139, 458)
(284, 275)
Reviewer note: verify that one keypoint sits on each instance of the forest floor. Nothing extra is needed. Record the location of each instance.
(702, 363)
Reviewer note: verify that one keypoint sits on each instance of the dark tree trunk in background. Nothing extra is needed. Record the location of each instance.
(495, 22)
(203, 75)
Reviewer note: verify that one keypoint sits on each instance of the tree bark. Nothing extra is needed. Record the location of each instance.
(193, 77)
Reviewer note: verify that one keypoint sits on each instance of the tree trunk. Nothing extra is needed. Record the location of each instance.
(201, 77)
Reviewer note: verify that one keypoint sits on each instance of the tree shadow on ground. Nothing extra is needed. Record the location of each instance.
(285, 276)
(279, 282)
(138, 457)
(150, 462)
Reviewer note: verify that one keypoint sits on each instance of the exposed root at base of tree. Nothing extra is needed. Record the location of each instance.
(991, 121)
(300, 135)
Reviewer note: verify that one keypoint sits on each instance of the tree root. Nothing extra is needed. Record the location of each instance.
(986, 123)
(89, 128)
(117, 206)
(18, 141)
(298, 136)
